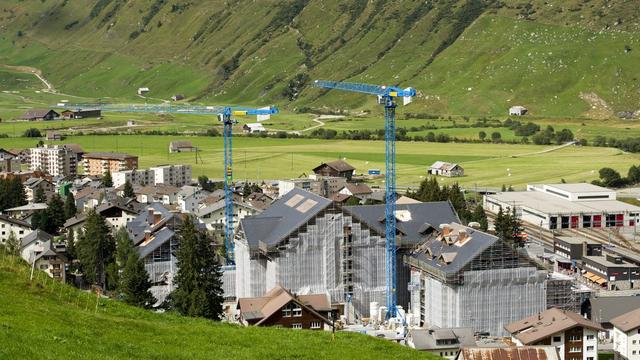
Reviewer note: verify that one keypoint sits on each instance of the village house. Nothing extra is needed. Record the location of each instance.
(177, 97)
(512, 353)
(10, 225)
(99, 163)
(9, 162)
(143, 91)
(116, 215)
(575, 337)
(213, 214)
(81, 113)
(282, 308)
(25, 212)
(181, 146)
(32, 185)
(626, 336)
(50, 258)
(603, 309)
(190, 198)
(39, 114)
(441, 168)
(253, 128)
(445, 343)
(53, 136)
(360, 190)
(165, 194)
(338, 168)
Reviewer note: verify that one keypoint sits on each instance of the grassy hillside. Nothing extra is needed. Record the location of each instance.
(44, 320)
(464, 56)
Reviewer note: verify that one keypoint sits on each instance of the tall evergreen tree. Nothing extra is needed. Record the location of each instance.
(127, 192)
(12, 244)
(135, 282)
(70, 243)
(55, 214)
(480, 217)
(17, 192)
(40, 220)
(96, 250)
(107, 180)
(70, 209)
(40, 196)
(199, 277)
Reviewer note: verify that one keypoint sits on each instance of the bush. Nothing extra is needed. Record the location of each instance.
(32, 132)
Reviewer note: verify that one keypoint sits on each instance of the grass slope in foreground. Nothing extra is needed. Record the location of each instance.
(46, 320)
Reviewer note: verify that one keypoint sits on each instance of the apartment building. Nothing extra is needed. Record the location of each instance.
(176, 175)
(99, 163)
(142, 177)
(57, 160)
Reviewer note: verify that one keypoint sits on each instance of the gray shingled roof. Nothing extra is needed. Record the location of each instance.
(605, 308)
(283, 217)
(457, 256)
(37, 234)
(157, 239)
(431, 213)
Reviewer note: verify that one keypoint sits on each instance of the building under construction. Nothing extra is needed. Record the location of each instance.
(305, 243)
(462, 277)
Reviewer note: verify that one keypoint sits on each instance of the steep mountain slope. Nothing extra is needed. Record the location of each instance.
(543, 54)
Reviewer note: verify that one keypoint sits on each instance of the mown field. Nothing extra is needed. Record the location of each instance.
(266, 158)
(44, 320)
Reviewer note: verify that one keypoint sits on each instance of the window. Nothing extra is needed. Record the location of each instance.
(574, 338)
(589, 357)
(316, 324)
(557, 339)
(574, 349)
(296, 326)
(589, 348)
(286, 312)
(590, 337)
(633, 342)
(297, 312)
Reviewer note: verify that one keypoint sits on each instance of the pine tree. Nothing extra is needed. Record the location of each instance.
(17, 192)
(12, 244)
(135, 282)
(40, 220)
(40, 196)
(499, 224)
(107, 180)
(96, 249)
(71, 244)
(55, 214)
(480, 217)
(199, 278)
(127, 192)
(70, 209)
(514, 228)
(504, 188)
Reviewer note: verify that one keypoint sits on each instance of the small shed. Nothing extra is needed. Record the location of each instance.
(81, 113)
(143, 90)
(253, 128)
(53, 136)
(442, 168)
(181, 146)
(518, 110)
(40, 114)
(177, 97)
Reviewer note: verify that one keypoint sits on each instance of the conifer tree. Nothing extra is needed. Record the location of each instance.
(12, 244)
(199, 278)
(107, 180)
(55, 214)
(71, 244)
(480, 217)
(127, 192)
(135, 282)
(96, 250)
(70, 208)
(39, 196)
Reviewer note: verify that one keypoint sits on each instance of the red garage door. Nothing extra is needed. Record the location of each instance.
(574, 222)
(597, 220)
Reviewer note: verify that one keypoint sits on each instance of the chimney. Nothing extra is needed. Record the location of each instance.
(147, 235)
(462, 235)
(156, 217)
(150, 214)
(539, 316)
(446, 229)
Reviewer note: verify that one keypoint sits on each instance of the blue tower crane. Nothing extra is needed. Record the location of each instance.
(386, 97)
(224, 114)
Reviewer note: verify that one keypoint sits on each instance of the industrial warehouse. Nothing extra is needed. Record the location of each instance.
(566, 206)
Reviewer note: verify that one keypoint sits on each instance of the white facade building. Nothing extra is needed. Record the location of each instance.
(566, 206)
(57, 160)
(626, 335)
(176, 175)
(8, 225)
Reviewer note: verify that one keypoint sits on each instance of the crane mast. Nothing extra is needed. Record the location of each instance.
(386, 97)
